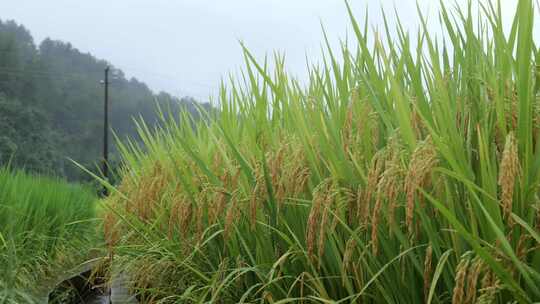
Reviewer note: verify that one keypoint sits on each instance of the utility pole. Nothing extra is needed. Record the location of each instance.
(106, 132)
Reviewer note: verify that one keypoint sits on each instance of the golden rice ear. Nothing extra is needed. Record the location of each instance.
(312, 224)
(461, 275)
(185, 215)
(375, 225)
(254, 206)
(428, 270)
(354, 209)
(322, 234)
(347, 131)
(490, 286)
(377, 165)
(301, 180)
(319, 196)
(219, 205)
(324, 226)
(382, 188)
(423, 160)
(472, 281)
(202, 209)
(390, 183)
(509, 172)
(350, 247)
(231, 216)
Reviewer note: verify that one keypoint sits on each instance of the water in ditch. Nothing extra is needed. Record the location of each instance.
(82, 289)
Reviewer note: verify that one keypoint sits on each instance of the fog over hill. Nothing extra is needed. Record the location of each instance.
(51, 103)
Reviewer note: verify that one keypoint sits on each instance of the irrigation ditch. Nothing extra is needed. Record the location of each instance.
(87, 285)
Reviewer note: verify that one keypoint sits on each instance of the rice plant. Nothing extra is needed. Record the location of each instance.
(46, 227)
(405, 172)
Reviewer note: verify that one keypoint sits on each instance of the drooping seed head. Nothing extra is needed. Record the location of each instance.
(231, 215)
(324, 226)
(313, 219)
(377, 165)
(459, 287)
(375, 226)
(489, 288)
(185, 216)
(428, 269)
(472, 281)
(253, 206)
(509, 171)
(423, 160)
(349, 251)
(390, 184)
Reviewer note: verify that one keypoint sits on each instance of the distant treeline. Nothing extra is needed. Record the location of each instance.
(51, 104)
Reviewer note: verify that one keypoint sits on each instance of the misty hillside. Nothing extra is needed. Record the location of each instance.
(51, 103)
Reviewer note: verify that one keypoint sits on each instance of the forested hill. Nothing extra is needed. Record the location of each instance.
(51, 103)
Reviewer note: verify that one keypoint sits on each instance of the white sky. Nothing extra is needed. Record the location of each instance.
(186, 46)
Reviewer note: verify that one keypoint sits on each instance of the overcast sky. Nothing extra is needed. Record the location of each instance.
(186, 46)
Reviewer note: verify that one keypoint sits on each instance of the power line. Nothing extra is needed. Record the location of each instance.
(47, 74)
(153, 74)
(42, 73)
(182, 92)
(146, 72)
(170, 77)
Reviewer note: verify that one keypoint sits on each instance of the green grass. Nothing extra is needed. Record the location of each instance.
(46, 227)
(399, 174)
